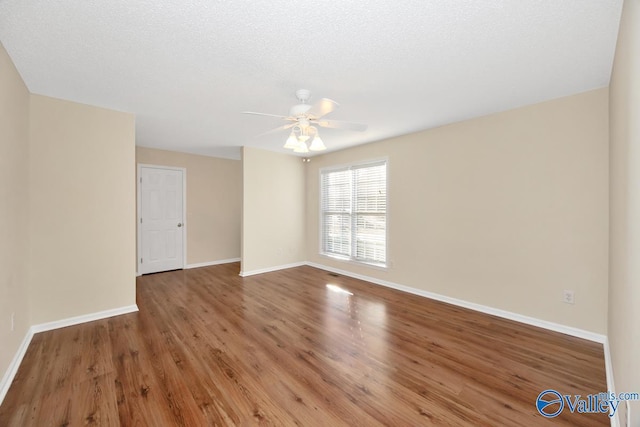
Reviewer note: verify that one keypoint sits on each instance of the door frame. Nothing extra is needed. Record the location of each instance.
(139, 209)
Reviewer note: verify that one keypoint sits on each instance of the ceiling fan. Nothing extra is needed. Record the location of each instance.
(304, 120)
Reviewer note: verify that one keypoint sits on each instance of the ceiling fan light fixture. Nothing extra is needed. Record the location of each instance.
(292, 141)
(301, 148)
(317, 144)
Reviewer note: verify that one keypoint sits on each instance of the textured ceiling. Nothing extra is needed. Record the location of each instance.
(188, 69)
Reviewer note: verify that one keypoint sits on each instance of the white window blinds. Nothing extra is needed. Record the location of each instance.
(354, 212)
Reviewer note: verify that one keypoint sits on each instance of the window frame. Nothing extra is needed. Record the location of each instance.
(321, 217)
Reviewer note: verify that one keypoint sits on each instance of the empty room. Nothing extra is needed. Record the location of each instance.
(320, 213)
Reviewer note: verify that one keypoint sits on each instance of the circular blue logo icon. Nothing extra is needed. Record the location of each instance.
(549, 403)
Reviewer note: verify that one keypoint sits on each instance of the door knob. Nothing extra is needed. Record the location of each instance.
(179, 224)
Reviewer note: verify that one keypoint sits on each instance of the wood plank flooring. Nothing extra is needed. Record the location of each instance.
(209, 348)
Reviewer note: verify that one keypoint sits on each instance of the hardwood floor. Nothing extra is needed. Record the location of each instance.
(211, 348)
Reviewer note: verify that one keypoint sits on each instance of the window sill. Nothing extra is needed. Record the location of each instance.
(376, 266)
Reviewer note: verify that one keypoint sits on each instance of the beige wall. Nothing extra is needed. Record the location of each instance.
(82, 203)
(506, 211)
(624, 285)
(14, 209)
(214, 201)
(273, 221)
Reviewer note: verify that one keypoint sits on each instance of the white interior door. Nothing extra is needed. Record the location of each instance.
(161, 219)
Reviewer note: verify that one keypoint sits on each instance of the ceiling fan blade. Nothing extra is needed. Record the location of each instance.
(322, 108)
(265, 114)
(336, 124)
(278, 129)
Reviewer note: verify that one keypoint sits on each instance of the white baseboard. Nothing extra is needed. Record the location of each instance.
(42, 327)
(270, 269)
(608, 365)
(205, 264)
(210, 263)
(11, 372)
(580, 333)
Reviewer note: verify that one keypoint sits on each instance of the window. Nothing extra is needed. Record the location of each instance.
(354, 212)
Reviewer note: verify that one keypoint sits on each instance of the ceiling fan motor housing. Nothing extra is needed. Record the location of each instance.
(299, 110)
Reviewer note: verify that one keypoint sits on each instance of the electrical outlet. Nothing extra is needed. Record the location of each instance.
(568, 297)
(13, 315)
